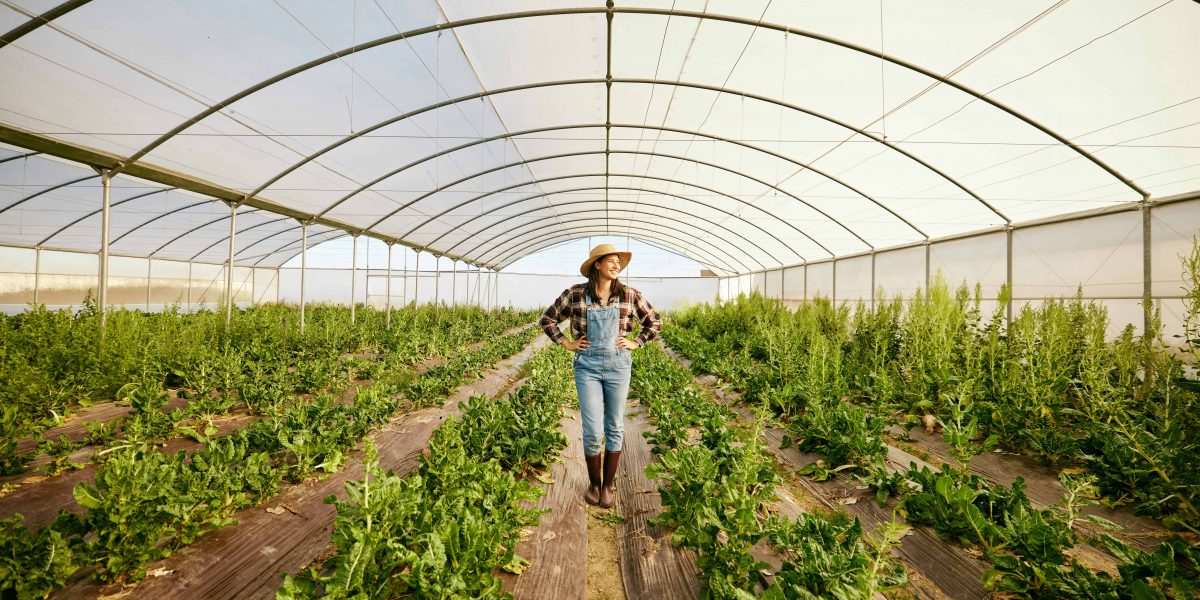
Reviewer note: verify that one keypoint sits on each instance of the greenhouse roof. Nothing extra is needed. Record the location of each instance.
(746, 135)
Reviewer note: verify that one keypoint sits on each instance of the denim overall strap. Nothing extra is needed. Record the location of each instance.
(602, 327)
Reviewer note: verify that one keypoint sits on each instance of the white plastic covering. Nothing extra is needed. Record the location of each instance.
(748, 135)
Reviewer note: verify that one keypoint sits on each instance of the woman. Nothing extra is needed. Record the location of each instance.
(601, 312)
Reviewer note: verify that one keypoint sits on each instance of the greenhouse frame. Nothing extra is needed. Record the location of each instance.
(929, 273)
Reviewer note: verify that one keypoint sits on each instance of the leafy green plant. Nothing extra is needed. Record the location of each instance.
(59, 452)
(521, 431)
(962, 507)
(714, 487)
(33, 563)
(960, 427)
(141, 498)
(101, 433)
(849, 437)
(829, 557)
(1191, 310)
(12, 427)
(441, 532)
(712, 495)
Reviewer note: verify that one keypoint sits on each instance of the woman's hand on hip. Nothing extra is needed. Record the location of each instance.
(627, 344)
(576, 345)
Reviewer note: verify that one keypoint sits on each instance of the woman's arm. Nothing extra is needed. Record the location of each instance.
(651, 320)
(557, 312)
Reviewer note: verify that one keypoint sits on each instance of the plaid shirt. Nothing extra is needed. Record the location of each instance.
(571, 305)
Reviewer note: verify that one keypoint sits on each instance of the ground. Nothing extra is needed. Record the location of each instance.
(603, 570)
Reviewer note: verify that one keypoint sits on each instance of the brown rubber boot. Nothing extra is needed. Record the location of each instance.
(593, 466)
(607, 495)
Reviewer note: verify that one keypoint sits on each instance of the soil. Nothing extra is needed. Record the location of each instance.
(603, 571)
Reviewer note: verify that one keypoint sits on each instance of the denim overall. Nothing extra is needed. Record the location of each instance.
(602, 381)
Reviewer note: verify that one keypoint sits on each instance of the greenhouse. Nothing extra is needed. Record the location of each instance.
(910, 294)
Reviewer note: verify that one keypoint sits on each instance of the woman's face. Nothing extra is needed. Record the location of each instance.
(609, 266)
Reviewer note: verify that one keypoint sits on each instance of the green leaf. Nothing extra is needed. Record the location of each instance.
(87, 496)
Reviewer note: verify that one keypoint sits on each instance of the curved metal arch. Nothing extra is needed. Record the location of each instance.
(644, 190)
(906, 65)
(477, 233)
(650, 177)
(593, 81)
(511, 234)
(46, 191)
(96, 212)
(240, 231)
(515, 134)
(601, 229)
(19, 156)
(445, 152)
(265, 237)
(647, 177)
(339, 234)
(610, 11)
(714, 258)
(43, 19)
(262, 257)
(524, 162)
(344, 234)
(573, 233)
(711, 165)
(652, 243)
(711, 254)
(195, 229)
(162, 216)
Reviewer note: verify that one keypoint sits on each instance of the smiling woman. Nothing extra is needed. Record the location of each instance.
(602, 312)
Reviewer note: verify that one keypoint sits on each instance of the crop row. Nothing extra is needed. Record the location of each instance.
(818, 370)
(716, 481)
(1048, 384)
(444, 530)
(54, 362)
(143, 505)
(1030, 549)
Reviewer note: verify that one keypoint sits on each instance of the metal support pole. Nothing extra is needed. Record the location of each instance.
(189, 288)
(404, 280)
(928, 277)
(1147, 275)
(102, 299)
(254, 286)
(303, 268)
(437, 280)
(233, 206)
(873, 280)
(417, 281)
(149, 275)
(1008, 274)
(353, 273)
(278, 271)
(806, 282)
(454, 284)
(478, 276)
(37, 274)
(388, 287)
(833, 293)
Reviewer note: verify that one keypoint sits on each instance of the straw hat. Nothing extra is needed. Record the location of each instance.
(600, 252)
